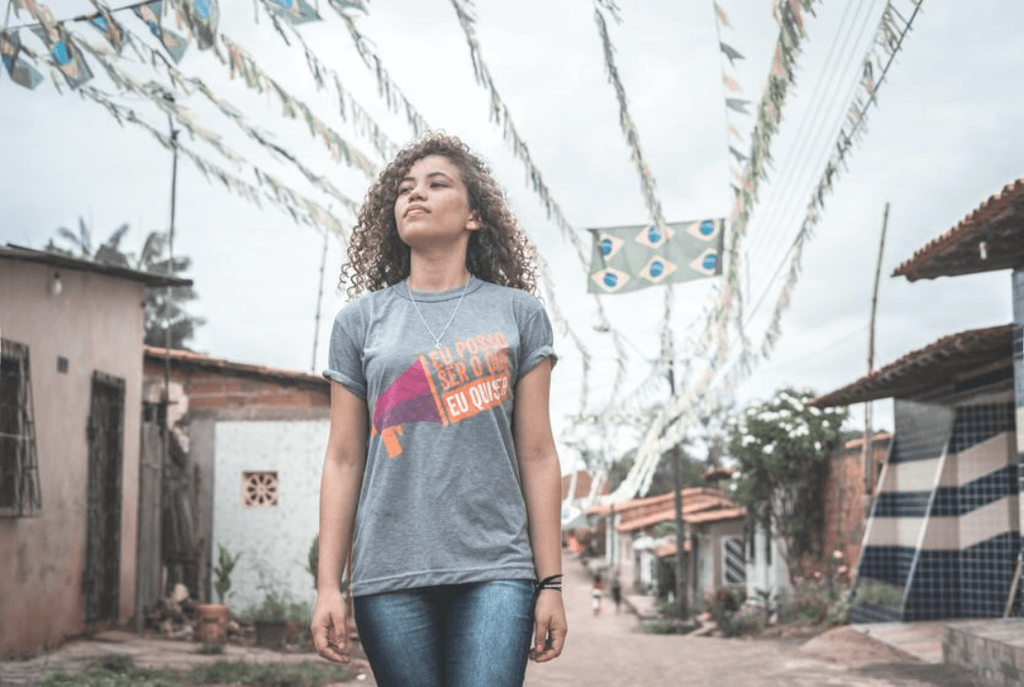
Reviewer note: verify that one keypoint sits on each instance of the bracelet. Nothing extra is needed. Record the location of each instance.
(553, 582)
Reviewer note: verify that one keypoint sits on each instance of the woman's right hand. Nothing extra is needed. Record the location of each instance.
(329, 626)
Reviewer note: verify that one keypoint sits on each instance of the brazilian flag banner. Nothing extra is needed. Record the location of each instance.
(634, 257)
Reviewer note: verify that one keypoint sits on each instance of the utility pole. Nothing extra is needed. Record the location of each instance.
(319, 301)
(682, 605)
(869, 432)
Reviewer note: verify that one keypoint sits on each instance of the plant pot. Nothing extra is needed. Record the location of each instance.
(270, 633)
(211, 623)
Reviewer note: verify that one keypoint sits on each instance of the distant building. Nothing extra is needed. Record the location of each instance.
(944, 533)
(71, 336)
(251, 442)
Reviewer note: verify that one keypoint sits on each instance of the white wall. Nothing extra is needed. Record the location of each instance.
(273, 541)
(762, 575)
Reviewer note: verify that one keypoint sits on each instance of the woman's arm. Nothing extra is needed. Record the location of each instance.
(339, 495)
(542, 491)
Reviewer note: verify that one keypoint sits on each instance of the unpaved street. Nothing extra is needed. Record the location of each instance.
(608, 651)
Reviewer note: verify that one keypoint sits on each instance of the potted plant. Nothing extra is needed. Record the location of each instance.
(271, 618)
(212, 619)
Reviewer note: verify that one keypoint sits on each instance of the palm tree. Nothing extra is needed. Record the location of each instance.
(165, 306)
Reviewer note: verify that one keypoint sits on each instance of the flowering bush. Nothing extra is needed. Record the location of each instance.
(781, 446)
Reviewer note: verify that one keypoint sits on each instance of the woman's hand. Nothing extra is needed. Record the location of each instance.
(329, 626)
(550, 626)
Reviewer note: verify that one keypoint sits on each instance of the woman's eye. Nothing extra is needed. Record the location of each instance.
(405, 189)
(437, 184)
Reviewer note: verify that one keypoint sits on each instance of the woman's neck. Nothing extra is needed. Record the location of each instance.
(426, 274)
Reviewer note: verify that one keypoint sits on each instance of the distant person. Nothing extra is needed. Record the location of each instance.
(596, 591)
(616, 592)
(441, 475)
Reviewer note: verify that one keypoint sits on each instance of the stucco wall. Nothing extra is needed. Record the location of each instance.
(273, 541)
(97, 324)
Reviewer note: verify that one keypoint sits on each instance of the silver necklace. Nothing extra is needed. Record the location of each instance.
(437, 339)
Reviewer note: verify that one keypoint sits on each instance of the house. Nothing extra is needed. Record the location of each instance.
(71, 336)
(944, 534)
(584, 489)
(251, 442)
(643, 551)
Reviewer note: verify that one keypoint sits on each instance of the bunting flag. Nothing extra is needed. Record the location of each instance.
(673, 420)
(67, 60)
(21, 72)
(295, 11)
(730, 52)
(106, 24)
(201, 17)
(173, 43)
(634, 257)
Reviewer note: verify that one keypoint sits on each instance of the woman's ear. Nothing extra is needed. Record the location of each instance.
(473, 223)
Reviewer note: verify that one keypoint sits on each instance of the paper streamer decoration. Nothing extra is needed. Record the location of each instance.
(21, 72)
(201, 16)
(173, 43)
(295, 11)
(635, 257)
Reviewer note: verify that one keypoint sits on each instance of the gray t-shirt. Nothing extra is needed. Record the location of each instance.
(441, 500)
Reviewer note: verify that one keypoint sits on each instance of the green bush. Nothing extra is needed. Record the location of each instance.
(659, 626)
(875, 593)
(279, 607)
(733, 615)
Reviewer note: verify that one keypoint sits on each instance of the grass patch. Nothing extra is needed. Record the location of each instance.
(118, 671)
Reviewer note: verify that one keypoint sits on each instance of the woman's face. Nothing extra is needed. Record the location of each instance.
(432, 208)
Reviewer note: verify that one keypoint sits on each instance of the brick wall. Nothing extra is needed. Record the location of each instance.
(844, 499)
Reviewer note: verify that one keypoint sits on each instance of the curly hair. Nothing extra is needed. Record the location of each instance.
(498, 252)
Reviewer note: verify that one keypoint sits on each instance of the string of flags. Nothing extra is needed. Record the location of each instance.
(681, 411)
(502, 117)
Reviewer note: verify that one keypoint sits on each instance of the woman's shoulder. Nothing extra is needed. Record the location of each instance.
(363, 305)
(521, 302)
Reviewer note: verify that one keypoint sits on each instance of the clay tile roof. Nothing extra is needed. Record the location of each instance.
(998, 223)
(624, 507)
(584, 483)
(669, 549)
(706, 508)
(929, 368)
(191, 359)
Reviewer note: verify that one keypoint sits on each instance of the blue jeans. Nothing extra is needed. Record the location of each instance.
(462, 635)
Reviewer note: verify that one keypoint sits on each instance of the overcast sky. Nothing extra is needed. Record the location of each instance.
(946, 135)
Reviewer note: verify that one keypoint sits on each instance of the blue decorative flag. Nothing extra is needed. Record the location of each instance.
(295, 11)
(65, 56)
(173, 43)
(637, 256)
(22, 73)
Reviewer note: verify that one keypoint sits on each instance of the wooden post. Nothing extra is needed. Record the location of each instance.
(869, 432)
(319, 301)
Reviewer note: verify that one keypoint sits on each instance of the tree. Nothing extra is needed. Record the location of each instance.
(165, 306)
(782, 447)
(661, 482)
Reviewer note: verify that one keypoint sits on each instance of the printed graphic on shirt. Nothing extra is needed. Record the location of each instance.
(446, 386)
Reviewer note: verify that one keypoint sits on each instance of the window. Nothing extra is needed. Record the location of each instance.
(259, 489)
(734, 567)
(19, 474)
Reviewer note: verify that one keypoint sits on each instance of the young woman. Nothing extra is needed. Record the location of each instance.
(441, 477)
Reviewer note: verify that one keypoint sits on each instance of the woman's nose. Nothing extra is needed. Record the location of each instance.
(416, 192)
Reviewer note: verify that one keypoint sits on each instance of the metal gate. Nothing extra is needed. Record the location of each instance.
(103, 544)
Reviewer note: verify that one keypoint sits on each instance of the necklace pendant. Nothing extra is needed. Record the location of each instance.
(437, 346)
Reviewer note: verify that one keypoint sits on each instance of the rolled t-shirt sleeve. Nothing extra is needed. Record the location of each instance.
(345, 357)
(536, 338)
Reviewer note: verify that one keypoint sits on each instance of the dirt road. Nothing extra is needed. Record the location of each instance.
(609, 651)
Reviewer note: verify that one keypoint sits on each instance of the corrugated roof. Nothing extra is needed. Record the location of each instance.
(22, 254)
(183, 358)
(928, 368)
(990, 238)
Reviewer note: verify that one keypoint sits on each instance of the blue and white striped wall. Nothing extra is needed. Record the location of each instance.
(1018, 377)
(944, 532)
